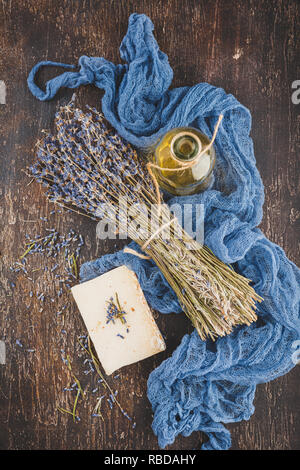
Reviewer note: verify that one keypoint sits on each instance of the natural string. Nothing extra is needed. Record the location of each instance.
(185, 165)
(144, 246)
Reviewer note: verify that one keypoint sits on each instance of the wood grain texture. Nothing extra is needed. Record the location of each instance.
(248, 47)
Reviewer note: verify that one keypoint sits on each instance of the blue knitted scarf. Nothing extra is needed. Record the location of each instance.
(202, 385)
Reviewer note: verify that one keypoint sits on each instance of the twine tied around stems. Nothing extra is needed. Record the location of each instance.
(144, 246)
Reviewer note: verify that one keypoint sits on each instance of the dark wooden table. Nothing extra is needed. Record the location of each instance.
(248, 47)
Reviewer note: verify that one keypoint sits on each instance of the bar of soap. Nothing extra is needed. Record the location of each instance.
(116, 342)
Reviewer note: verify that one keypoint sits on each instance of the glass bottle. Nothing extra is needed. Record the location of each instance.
(178, 147)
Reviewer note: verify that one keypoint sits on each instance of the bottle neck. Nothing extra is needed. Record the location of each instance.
(185, 146)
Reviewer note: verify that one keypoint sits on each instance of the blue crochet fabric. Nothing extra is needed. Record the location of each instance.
(202, 385)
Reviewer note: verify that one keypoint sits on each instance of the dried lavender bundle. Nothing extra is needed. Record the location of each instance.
(87, 164)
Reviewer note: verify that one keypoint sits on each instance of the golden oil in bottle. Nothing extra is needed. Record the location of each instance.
(187, 150)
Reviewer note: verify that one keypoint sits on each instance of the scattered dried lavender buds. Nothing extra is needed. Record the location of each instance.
(115, 311)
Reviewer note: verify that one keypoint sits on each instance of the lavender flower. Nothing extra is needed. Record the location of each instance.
(86, 164)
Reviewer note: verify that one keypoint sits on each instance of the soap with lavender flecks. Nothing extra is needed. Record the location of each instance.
(118, 319)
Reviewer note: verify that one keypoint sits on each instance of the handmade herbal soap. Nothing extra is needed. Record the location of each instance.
(118, 319)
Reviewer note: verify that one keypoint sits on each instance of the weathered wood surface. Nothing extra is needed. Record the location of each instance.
(250, 48)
